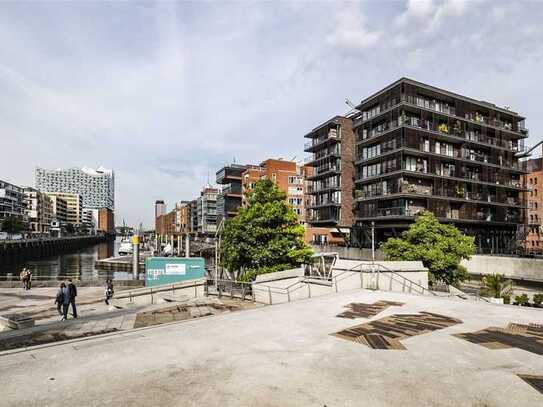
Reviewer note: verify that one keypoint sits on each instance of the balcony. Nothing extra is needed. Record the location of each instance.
(313, 145)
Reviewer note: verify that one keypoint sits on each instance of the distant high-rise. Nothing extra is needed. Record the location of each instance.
(96, 186)
(160, 209)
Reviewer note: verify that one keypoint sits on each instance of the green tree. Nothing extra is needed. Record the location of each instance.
(12, 225)
(440, 247)
(264, 237)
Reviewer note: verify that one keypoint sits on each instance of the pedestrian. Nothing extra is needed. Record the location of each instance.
(109, 290)
(23, 276)
(65, 301)
(28, 279)
(72, 290)
(59, 299)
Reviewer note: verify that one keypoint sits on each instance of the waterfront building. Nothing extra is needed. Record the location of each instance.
(89, 219)
(95, 186)
(230, 197)
(73, 206)
(534, 202)
(38, 209)
(206, 207)
(330, 213)
(106, 221)
(11, 201)
(287, 175)
(424, 148)
(160, 209)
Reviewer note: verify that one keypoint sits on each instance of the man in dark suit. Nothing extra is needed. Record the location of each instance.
(72, 290)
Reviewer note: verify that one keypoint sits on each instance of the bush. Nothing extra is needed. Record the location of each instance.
(538, 299)
(522, 300)
(506, 299)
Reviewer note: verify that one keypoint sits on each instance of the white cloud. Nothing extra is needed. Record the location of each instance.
(167, 93)
(351, 31)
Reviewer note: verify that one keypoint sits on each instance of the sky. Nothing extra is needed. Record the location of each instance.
(167, 93)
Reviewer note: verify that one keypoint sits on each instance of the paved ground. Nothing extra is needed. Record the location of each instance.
(95, 317)
(286, 355)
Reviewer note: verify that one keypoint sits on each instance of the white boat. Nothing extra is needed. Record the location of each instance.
(125, 247)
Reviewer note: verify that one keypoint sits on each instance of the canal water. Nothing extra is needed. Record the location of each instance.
(79, 263)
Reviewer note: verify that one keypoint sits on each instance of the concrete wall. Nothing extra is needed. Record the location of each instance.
(351, 253)
(516, 268)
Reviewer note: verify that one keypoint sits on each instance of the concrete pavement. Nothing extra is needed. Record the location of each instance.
(283, 355)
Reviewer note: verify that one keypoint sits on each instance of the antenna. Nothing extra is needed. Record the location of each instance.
(350, 104)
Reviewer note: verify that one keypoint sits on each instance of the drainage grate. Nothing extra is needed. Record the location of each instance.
(525, 337)
(386, 333)
(361, 310)
(535, 381)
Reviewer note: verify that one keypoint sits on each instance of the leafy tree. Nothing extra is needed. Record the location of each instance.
(12, 225)
(440, 247)
(69, 228)
(495, 286)
(265, 236)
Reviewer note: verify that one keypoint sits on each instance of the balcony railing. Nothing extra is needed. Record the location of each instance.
(331, 135)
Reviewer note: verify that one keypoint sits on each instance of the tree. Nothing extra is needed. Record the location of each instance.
(12, 225)
(495, 286)
(265, 236)
(440, 247)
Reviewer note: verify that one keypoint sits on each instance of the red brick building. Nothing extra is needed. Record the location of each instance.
(534, 202)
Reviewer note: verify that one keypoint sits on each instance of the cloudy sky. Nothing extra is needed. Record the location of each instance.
(167, 93)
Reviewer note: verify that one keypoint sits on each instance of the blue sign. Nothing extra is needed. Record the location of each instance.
(169, 270)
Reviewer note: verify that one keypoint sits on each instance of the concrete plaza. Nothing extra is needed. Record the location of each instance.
(283, 355)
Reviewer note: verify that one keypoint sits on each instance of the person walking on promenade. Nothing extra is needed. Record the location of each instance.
(109, 290)
(59, 299)
(28, 279)
(24, 276)
(65, 301)
(72, 290)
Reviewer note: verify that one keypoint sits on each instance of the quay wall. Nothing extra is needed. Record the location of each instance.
(13, 250)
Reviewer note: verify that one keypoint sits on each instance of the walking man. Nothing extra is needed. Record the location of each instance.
(72, 293)
(59, 300)
(109, 290)
(65, 301)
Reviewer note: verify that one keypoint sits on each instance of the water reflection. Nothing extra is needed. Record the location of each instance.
(78, 264)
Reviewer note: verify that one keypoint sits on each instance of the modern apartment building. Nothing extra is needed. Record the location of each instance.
(59, 209)
(230, 197)
(206, 206)
(330, 214)
(160, 209)
(96, 186)
(74, 206)
(39, 210)
(11, 201)
(287, 175)
(533, 199)
(424, 148)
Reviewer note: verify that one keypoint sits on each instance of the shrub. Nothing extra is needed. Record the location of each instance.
(538, 299)
(522, 300)
(506, 299)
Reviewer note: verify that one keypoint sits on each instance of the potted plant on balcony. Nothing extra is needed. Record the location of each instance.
(443, 128)
(457, 128)
(495, 287)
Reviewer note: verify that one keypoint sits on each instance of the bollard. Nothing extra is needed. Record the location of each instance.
(288, 295)
(269, 295)
(309, 289)
(335, 284)
(195, 292)
(135, 256)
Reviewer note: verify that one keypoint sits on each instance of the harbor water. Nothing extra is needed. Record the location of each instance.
(78, 264)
